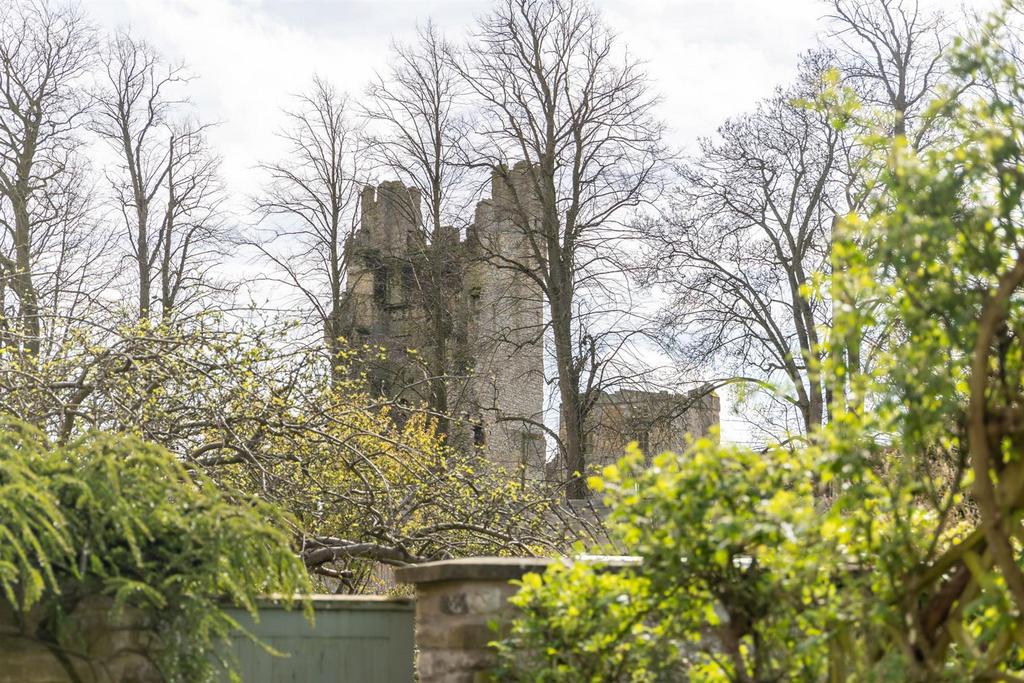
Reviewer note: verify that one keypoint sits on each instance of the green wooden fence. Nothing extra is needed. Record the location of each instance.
(353, 640)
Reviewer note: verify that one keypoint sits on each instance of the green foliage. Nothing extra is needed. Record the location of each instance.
(724, 533)
(730, 542)
(32, 529)
(580, 624)
(365, 479)
(748, 575)
(888, 547)
(117, 517)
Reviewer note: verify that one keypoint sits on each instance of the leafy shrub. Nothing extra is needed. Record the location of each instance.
(114, 516)
(885, 546)
(582, 624)
(727, 538)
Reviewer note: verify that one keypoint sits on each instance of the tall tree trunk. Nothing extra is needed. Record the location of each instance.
(167, 293)
(145, 274)
(569, 393)
(21, 279)
(333, 324)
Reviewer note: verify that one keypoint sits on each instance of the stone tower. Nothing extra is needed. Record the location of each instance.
(494, 364)
(506, 317)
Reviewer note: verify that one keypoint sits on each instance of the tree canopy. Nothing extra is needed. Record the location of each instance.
(114, 516)
(889, 546)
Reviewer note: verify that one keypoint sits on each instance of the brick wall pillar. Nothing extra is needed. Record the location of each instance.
(455, 601)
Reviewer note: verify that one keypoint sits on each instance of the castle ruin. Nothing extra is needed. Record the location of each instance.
(493, 365)
(445, 310)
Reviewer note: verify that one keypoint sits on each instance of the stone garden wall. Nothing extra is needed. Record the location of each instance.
(109, 651)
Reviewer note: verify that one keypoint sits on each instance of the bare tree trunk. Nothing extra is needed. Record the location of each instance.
(336, 275)
(44, 49)
(167, 238)
(133, 107)
(145, 270)
(736, 259)
(21, 279)
(563, 97)
(572, 415)
(419, 106)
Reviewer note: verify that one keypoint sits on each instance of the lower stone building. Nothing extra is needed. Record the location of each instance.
(657, 421)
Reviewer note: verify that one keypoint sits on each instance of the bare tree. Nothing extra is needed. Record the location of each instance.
(749, 228)
(193, 236)
(564, 99)
(749, 241)
(419, 109)
(132, 113)
(310, 203)
(165, 185)
(891, 52)
(44, 52)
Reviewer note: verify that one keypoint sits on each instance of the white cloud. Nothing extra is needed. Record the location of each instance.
(709, 58)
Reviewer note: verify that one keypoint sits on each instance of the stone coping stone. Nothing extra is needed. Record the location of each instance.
(498, 568)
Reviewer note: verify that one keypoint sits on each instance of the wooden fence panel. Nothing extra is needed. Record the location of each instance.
(353, 640)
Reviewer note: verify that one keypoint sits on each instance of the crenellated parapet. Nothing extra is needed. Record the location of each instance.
(390, 218)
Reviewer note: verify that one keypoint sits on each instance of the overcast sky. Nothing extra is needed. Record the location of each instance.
(709, 58)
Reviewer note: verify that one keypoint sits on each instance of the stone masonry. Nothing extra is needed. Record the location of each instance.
(657, 421)
(493, 355)
(456, 600)
(112, 648)
(494, 364)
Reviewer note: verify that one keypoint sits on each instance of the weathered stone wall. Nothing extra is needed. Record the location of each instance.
(506, 323)
(110, 650)
(382, 310)
(455, 602)
(657, 421)
(494, 361)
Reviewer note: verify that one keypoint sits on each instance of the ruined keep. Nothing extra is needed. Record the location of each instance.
(409, 291)
(447, 308)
